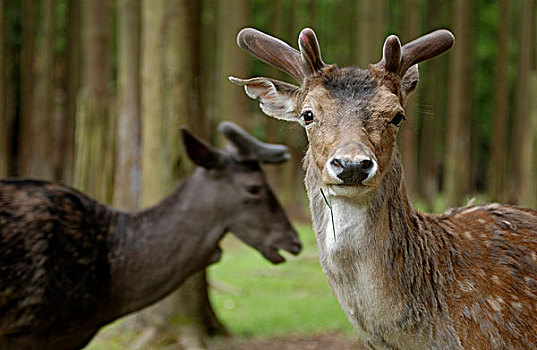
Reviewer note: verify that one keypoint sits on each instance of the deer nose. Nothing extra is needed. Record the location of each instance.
(353, 172)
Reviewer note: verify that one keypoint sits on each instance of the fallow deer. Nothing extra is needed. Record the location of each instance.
(69, 265)
(464, 279)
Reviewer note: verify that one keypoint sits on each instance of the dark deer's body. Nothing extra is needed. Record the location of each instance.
(69, 265)
(465, 279)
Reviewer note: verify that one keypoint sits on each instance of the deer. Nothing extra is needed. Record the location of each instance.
(69, 264)
(462, 279)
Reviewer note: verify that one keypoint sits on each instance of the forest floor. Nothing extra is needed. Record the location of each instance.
(320, 341)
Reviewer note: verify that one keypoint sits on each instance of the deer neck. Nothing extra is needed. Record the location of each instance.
(158, 248)
(368, 260)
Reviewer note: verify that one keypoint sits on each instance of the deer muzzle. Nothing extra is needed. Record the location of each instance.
(351, 164)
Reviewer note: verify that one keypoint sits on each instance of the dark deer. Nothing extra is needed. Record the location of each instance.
(464, 279)
(69, 265)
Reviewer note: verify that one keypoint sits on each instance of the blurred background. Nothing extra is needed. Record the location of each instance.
(93, 93)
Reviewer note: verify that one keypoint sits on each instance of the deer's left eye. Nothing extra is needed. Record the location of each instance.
(308, 117)
(254, 189)
(399, 117)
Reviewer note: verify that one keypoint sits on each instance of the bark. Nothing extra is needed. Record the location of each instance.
(233, 16)
(456, 173)
(73, 84)
(156, 178)
(95, 124)
(197, 121)
(497, 167)
(27, 81)
(191, 301)
(371, 20)
(4, 127)
(37, 155)
(208, 67)
(128, 157)
(170, 99)
(12, 86)
(530, 195)
(522, 166)
(409, 131)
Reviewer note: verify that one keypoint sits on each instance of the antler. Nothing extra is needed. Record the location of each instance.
(279, 54)
(398, 59)
(250, 147)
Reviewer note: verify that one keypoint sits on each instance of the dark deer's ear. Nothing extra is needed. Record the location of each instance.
(200, 152)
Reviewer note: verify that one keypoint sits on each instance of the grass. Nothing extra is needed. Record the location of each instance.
(255, 298)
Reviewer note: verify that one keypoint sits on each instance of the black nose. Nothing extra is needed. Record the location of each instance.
(352, 172)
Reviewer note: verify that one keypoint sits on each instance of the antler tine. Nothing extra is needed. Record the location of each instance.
(425, 48)
(391, 54)
(272, 51)
(250, 147)
(310, 51)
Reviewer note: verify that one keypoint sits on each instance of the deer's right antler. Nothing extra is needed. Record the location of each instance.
(279, 54)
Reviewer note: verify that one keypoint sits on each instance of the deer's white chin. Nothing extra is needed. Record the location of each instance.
(350, 191)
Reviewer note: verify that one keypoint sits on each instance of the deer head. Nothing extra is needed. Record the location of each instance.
(351, 115)
(235, 180)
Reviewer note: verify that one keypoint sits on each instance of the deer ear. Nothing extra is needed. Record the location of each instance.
(276, 98)
(200, 152)
(410, 80)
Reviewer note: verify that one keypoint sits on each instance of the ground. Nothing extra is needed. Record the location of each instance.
(321, 341)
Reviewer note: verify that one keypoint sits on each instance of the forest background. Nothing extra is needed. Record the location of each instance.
(93, 94)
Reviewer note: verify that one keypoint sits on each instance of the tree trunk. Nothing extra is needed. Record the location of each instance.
(27, 82)
(128, 157)
(371, 20)
(37, 155)
(409, 132)
(170, 50)
(191, 301)
(497, 167)
(208, 67)
(72, 87)
(233, 16)
(456, 173)
(94, 134)
(196, 117)
(522, 165)
(530, 195)
(4, 127)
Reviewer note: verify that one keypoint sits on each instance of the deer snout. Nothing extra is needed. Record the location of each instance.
(352, 169)
(352, 172)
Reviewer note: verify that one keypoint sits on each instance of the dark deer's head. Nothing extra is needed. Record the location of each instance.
(351, 115)
(234, 179)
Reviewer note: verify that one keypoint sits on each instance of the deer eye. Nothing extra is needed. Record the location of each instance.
(308, 117)
(399, 117)
(253, 189)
